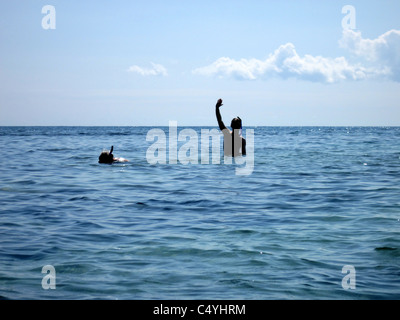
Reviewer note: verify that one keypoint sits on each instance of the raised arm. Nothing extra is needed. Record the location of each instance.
(218, 114)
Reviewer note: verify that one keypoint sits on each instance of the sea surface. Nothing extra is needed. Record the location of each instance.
(318, 199)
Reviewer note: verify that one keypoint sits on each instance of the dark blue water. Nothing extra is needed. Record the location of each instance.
(317, 200)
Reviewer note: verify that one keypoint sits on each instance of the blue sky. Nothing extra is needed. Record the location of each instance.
(148, 62)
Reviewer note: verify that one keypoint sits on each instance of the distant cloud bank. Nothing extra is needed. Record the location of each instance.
(156, 70)
(373, 58)
(286, 63)
(381, 55)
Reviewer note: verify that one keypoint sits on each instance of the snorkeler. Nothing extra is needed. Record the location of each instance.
(108, 157)
(232, 139)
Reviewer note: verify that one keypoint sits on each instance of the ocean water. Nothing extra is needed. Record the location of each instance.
(318, 199)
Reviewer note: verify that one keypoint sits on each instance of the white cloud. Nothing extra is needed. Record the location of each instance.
(156, 70)
(382, 52)
(285, 62)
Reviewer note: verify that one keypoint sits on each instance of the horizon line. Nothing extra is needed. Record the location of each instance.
(200, 126)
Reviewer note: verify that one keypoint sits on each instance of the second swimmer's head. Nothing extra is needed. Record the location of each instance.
(236, 123)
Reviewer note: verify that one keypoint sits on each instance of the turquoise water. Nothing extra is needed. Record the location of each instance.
(319, 198)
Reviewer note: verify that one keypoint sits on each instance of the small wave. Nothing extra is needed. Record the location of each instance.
(79, 198)
(385, 249)
(243, 232)
(242, 283)
(57, 149)
(25, 182)
(120, 134)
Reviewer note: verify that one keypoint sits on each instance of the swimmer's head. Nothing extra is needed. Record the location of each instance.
(106, 156)
(236, 123)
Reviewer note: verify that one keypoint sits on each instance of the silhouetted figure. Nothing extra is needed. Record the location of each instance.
(232, 139)
(108, 157)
